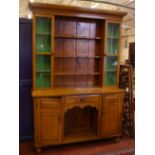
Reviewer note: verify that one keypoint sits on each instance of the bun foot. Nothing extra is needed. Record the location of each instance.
(117, 139)
(38, 150)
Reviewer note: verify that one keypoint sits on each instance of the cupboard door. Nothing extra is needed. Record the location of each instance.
(110, 118)
(49, 128)
(48, 120)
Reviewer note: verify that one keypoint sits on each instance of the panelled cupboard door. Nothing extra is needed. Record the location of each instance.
(49, 128)
(110, 118)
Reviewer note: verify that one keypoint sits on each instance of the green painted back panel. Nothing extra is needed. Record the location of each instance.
(43, 25)
(112, 47)
(43, 71)
(110, 78)
(43, 62)
(43, 34)
(43, 80)
(111, 63)
(43, 43)
(113, 30)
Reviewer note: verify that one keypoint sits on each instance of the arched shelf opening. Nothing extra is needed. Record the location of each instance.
(81, 123)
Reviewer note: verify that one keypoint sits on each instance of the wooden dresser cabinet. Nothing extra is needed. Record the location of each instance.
(75, 74)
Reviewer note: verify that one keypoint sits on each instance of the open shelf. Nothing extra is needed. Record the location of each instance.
(112, 37)
(44, 71)
(42, 33)
(43, 53)
(89, 57)
(111, 55)
(110, 70)
(63, 74)
(77, 37)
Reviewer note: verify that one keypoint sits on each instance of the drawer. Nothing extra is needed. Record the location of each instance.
(88, 99)
(47, 103)
(111, 98)
(82, 99)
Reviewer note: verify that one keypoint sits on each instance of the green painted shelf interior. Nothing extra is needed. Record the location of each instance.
(113, 38)
(110, 78)
(43, 62)
(43, 43)
(43, 25)
(111, 63)
(113, 30)
(43, 71)
(112, 45)
(43, 80)
(43, 34)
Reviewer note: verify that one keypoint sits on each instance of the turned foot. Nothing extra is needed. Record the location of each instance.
(38, 150)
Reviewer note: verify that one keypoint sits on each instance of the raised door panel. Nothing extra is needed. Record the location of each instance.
(50, 128)
(110, 118)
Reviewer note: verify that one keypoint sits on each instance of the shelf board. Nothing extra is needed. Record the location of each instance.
(85, 134)
(77, 37)
(43, 71)
(42, 53)
(42, 33)
(110, 70)
(111, 55)
(112, 37)
(74, 74)
(93, 57)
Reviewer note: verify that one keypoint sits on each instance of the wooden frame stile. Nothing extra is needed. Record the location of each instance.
(63, 113)
(99, 115)
(119, 53)
(33, 53)
(104, 54)
(121, 110)
(52, 51)
(36, 122)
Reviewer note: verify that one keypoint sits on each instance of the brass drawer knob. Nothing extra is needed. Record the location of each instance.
(82, 100)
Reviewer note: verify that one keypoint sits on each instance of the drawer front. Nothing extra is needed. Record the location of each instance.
(82, 99)
(88, 99)
(111, 98)
(50, 103)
